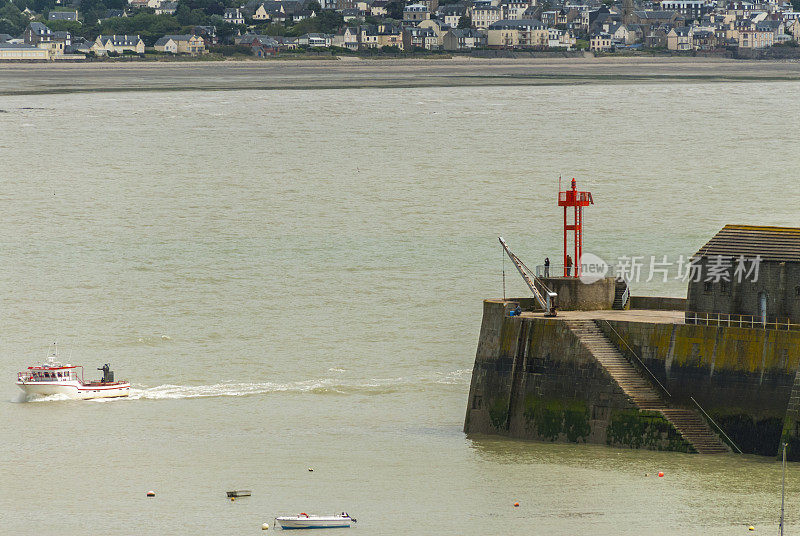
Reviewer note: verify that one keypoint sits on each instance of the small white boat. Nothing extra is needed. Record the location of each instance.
(53, 378)
(305, 521)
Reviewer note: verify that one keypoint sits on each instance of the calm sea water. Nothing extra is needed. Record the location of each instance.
(293, 280)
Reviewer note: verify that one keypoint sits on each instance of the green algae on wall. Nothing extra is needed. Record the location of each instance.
(552, 419)
(752, 435)
(644, 429)
(498, 413)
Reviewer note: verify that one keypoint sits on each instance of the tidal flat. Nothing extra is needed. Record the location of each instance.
(21, 79)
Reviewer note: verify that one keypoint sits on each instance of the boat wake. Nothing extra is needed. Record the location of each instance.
(322, 386)
(22, 397)
(168, 391)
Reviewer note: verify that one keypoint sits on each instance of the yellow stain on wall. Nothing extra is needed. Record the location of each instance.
(739, 349)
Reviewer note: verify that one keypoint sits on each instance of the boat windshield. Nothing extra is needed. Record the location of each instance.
(48, 375)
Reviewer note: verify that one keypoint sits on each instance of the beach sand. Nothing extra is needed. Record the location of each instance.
(30, 78)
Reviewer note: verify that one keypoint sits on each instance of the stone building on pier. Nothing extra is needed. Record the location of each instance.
(748, 273)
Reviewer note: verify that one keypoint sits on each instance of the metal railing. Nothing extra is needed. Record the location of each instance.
(556, 270)
(625, 296)
(640, 362)
(718, 427)
(664, 389)
(738, 321)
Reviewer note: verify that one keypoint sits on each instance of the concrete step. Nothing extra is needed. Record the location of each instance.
(641, 391)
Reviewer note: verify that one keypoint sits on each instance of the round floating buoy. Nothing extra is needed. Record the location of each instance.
(516, 505)
(151, 493)
(751, 527)
(265, 526)
(233, 499)
(661, 473)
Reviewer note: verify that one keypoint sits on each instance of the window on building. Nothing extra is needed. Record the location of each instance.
(797, 291)
(708, 286)
(724, 286)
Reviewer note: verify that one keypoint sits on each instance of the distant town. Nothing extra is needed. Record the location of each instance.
(54, 30)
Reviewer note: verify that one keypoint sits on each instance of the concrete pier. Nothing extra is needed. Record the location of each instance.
(553, 379)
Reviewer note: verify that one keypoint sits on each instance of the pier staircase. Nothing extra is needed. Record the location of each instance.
(621, 295)
(641, 392)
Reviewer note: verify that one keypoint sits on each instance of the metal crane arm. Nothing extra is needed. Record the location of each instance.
(545, 297)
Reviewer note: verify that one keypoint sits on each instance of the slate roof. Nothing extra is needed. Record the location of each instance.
(654, 15)
(420, 32)
(524, 24)
(453, 9)
(181, 37)
(266, 40)
(777, 244)
(120, 40)
(768, 25)
(39, 28)
(383, 29)
(17, 46)
(464, 33)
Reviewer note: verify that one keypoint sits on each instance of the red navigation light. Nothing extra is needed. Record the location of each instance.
(578, 200)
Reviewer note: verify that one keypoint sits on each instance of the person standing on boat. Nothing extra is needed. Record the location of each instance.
(569, 265)
(547, 266)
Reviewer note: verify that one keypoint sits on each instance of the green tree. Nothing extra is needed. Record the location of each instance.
(12, 21)
(394, 10)
(465, 22)
(190, 17)
(314, 6)
(326, 22)
(270, 29)
(225, 30)
(148, 26)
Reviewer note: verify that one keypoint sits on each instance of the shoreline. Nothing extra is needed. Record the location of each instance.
(350, 72)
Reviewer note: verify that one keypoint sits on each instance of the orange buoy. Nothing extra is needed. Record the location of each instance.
(151, 493)
(661, 473)
(516, 505)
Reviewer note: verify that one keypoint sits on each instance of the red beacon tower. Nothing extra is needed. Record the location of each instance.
(577, 200)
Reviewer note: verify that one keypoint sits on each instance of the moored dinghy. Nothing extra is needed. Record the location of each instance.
(305, 521)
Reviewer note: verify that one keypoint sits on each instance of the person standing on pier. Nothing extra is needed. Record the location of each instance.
(547, 266)
(569, 265)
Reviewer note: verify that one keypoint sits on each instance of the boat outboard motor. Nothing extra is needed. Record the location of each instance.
(108, 374)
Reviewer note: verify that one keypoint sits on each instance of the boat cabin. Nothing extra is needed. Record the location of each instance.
(49, 374)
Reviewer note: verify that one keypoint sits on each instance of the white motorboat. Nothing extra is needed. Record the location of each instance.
(54, 378)
(305, 521)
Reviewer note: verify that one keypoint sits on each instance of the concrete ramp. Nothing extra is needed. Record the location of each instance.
(641, 391)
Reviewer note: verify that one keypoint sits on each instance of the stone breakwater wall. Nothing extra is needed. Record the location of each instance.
(742, 377)
(533, 379)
